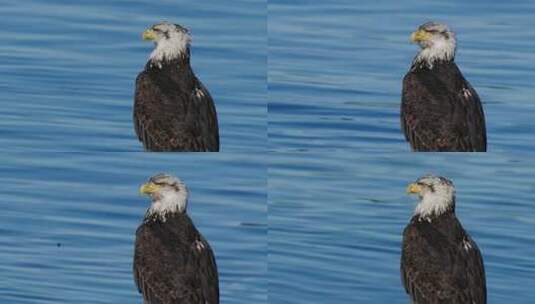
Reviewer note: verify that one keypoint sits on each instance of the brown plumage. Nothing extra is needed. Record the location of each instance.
(435, 266)
(174, 264)
(440, 111)
(173, 111)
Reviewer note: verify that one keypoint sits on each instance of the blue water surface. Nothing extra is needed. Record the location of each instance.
(68, 223)
(68, 70)
(336, 68)
(336, 220)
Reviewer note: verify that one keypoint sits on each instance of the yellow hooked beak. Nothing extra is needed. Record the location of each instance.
(149, 35)
(420, 35)
(148, 188)
(414, 188)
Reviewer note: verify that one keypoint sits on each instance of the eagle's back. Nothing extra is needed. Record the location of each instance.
(173, 263)
(174, 113)
(440, 111)
(440, 263)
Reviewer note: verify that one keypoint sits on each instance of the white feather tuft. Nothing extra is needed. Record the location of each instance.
(466, 244)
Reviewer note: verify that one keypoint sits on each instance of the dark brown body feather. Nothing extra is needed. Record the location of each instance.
(173, 111)
(437, 267)
(174, 264)
(440, 111)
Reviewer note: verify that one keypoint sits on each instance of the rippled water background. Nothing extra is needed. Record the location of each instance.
(68, 70)
(335, 69)
(68, 222)
(335, 223)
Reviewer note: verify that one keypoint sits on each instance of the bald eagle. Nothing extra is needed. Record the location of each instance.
(440, 263)
(173, 111)
(440, 110)
(173, 262)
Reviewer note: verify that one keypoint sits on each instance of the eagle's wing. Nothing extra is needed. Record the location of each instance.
(475, 117)
(475, 271)
(207, 269)
(207, 116)
(434, 273)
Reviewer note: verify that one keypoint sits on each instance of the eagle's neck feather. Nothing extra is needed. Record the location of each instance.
(168, 203)
(168, 50)
(440, 51)
(434, 205)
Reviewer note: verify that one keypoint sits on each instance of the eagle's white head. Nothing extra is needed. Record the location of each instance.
(437, 42)
(171, 40)
(436, 193)
(168, 193)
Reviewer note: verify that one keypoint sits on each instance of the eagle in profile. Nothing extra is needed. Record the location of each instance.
(440, 262)
(440, 110)
(173, 262)
(173, 111)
